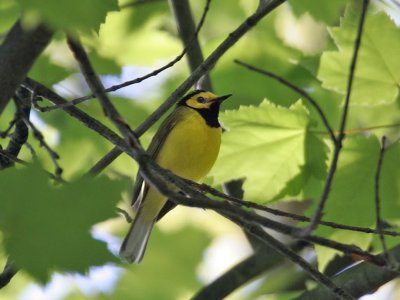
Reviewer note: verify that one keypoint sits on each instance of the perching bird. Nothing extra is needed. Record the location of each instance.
(187, 143)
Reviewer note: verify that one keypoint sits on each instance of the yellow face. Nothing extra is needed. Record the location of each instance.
(202, 100)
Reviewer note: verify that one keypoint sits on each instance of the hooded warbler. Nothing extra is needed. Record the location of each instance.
(187, 143)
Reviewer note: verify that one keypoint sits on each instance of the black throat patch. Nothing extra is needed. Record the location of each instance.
(210, 115)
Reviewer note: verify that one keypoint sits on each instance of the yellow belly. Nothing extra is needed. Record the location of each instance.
(189, 151)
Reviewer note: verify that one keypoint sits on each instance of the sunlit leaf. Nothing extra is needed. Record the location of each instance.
(352, 197)
(266, 144)
(377, 73)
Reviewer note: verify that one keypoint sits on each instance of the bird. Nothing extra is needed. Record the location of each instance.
(187, 143)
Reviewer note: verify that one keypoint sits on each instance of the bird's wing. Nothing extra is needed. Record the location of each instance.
(140, 188)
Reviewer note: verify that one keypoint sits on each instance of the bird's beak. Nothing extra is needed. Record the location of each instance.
(222, 98)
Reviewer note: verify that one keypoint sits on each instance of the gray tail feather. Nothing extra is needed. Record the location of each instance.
(134, 244)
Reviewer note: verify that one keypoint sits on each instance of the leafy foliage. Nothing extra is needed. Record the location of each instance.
(276, 142)
(73, 14)
(278, 146)
(48, 228)
(377, 74)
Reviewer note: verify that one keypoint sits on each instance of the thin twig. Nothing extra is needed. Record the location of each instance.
(139, 79)
(232, 38)
(39, 136)
(339, 140)
(6, 131)
(295, 88)
(126, 215)
(20, 134)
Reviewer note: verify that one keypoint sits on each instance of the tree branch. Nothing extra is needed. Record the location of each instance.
(245, 203)
(18, 52)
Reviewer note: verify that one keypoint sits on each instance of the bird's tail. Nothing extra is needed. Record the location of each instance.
(134, 245)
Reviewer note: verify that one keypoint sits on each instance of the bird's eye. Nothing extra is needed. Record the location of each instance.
(201, 100)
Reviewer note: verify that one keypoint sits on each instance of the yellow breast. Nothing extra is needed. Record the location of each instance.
(191, 148)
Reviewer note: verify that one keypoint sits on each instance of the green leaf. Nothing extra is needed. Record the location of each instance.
(304, 186)
(351, 200)
(352, 197)
(47, 228)
(377, 75)
(327, 12)
(72, 14)
(265, 145)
